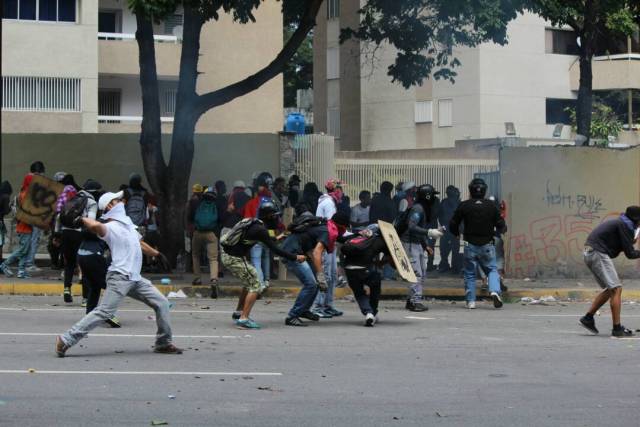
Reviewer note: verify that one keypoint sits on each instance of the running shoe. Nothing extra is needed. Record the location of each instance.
(247, 324)
(61, 347)
(333, 312)
(114, 322)
(168, 349)
(321, 313)
(6, 270)
(310, 315)
(83, 303)
(621, 332)
(471, 305)
(416, 306)
(369, 320)
(497, 301)
(236, 315)
(67, 295)
(22, 274)
(589, 324)
(294, 321)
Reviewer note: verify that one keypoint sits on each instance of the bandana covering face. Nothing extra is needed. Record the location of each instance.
(337, 196)
(117, 213)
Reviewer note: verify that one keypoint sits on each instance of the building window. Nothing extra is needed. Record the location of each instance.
(40, 10)
(109, 101)
(561, 42)
(51, 94)
(445, 113)
(172, 22)
(333, 122)
(333, 9)
(333, 63)
(169, 102)
(556, 113)
(424, 112)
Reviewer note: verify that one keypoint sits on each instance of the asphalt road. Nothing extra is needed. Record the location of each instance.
(519, 366)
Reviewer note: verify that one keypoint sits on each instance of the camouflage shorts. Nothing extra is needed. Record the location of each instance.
(243, 270)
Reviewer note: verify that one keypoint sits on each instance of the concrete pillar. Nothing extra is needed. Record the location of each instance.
(287, 157)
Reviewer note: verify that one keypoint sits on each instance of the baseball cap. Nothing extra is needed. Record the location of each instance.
(239, 184)
(106, 198)
(633, 213)
(332, 184)
(197, 188)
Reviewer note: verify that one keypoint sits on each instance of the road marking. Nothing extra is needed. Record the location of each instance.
(234, 374)
(573, 315)
(131, 310)
(420, 318)
(625, 338)
(47, 334)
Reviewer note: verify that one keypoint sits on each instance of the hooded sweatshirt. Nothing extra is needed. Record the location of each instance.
(123, 240)
(326, 206)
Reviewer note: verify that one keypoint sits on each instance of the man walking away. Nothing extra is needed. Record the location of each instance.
(413, 231)
(604, 244)
(137, 199)
(433, 223)
(37, 168)
(236, 250)
(360, 214)
(384, 208)
(449, 244)
(481, 220)
(204, 217)
(123, 277)
(71, 237)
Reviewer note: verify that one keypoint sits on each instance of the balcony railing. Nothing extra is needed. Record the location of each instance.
(119, 119)
(125, 36)
(618, 57)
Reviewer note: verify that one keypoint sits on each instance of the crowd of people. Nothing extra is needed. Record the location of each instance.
(318, 236)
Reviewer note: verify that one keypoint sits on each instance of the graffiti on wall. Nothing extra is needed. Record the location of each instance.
(587, 206)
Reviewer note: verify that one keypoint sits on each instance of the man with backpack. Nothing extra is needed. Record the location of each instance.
(481, 220)
(313, 237)
(413, 231)
(136, 201)
(449, 244)
(204, 217)
(360, 253)
(236, 251)
(123, 277)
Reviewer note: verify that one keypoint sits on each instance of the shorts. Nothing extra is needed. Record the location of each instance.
(602, 268)
(243, 270)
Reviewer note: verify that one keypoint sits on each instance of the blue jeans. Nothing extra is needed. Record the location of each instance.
(261, 260)
(483, 257)
(21, 252)
(330, 267)
(307, 294)
(33, 247)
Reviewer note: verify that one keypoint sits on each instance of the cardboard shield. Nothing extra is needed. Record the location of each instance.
(287, 216)
(398, 254)
(39, 204)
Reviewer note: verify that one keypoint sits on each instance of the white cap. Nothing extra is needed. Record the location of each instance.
(408, 185)
(106, 198)
(239, 184)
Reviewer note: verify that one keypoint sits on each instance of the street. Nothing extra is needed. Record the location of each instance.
(522, 365)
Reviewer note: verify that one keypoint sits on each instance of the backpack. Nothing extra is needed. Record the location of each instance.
(359, 247)
(401, 223)
(74, 208)
(136, 208)
(236, 234)
(304, 222)
(206, 216)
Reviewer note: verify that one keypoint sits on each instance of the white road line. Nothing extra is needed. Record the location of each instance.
(625, 338)
(165, 373)
(420, 318)
(131, 310)
(573, 315)
(47, 334)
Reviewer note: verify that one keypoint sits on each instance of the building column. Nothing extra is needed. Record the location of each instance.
(287, 157)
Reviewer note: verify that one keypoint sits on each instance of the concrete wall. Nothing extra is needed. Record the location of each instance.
(46, 49)
(555, 197)
(111, 158)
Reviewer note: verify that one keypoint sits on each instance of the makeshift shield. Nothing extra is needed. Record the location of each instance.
(39, 204)
(398, 254)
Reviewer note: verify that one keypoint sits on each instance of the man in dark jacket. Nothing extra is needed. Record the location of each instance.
(606, 242)
(449, 244)
(382, 206)
(481, 219)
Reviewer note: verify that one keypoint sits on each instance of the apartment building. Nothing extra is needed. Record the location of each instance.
(71, 66)
(520, 89)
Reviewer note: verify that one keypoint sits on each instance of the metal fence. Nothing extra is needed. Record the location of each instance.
(314, 158)
(367, 174)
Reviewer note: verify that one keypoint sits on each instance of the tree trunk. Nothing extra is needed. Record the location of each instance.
(585, 98)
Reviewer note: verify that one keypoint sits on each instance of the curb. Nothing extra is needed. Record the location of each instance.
(396, 292)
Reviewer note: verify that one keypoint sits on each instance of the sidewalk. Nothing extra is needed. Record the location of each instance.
(48, 282)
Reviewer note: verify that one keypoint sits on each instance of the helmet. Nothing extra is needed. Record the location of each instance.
(426, 193)
(477, 188)
(268, 213)
(264, 179)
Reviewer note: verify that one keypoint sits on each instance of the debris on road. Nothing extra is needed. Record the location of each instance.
(179, 294)
(31, 370)
(159, 423)
(171, 396)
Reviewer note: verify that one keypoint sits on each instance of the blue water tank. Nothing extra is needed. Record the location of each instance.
(295, 123)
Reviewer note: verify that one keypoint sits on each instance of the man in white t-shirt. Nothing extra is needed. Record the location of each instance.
(123, 276)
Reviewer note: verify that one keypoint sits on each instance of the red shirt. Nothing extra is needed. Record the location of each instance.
(21, 227)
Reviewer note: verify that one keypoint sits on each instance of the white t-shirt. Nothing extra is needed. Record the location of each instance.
(126, 253)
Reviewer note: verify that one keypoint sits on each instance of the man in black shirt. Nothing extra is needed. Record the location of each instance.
(234, 258)
(605, 242)
(481, 219)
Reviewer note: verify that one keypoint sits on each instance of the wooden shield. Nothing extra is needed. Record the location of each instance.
(287, 216)
(39, 205)
(398, 254)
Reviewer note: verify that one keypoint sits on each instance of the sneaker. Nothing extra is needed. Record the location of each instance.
(6, 270)
(83, 303)
(33, 269)
(247, 324)
(589, 324)
(67, 295)
(333, 312)
(236, 315)
(22, 274)
(417, 306)
(310, 315)
(294, 321)
(369, 319)
(497, 301)
(61, 347)
(196, 282)
(321, 313)
(471, 305)
(168, 349)
(114, 322)
(263, 287)
(214, 291)
(622, 332)
(342, 282)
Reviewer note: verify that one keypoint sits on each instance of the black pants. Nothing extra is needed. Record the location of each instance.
(71, 240)
(360, 278)
(450, 244)
(94, 274)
